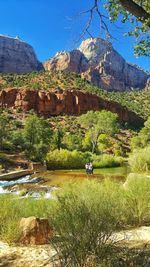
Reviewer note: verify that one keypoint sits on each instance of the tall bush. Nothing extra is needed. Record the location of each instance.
(84, 217)
(137, 199)
(106, 161)
(139, 160)
(65, 159)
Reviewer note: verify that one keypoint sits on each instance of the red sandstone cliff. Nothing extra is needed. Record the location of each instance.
(59, 102)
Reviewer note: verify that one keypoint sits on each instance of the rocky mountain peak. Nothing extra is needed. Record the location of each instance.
(17, 56)
(94, 49)
(100, 64)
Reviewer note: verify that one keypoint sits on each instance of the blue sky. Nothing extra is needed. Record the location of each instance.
(54, 25)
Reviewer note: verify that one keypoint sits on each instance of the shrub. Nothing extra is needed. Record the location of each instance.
(139, 160)
(106, 161)
(84, 217)
(138, 199)
(65, 159)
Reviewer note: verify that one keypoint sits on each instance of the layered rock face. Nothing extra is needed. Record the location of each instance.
(100, 64)
(17, 56)
(58, 102)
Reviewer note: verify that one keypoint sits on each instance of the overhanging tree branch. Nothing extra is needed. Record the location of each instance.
(136, 10)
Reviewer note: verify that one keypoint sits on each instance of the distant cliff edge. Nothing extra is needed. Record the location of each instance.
(17, 56)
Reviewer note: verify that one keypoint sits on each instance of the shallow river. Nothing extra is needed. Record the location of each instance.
(43, 184)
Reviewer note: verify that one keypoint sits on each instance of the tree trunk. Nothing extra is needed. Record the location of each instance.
(93, 147)
(139, 12)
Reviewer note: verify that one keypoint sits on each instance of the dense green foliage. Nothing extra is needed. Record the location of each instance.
(35, 137)
(4, 129)
(139, 160)
(65, 159)
(106, 161)
(98, 123)
(143, 137)
(55, 80)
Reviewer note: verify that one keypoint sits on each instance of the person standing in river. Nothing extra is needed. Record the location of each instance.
(87, 168)
(90, 168)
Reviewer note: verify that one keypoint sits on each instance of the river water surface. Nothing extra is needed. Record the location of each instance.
(45, 183)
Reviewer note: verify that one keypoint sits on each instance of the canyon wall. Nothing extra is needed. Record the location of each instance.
(17, 56)
(59, 102)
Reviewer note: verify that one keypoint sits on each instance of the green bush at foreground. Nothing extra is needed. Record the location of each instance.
(65, 159)
(139, 160)
(137, 199)
(84, 215)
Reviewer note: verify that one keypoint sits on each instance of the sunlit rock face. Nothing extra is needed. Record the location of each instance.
(73, 61)
(17, 56)
(147, 87)
(59, 102)
(99, 63)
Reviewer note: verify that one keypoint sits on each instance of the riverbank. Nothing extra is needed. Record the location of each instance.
(15, 174)
(41, 256)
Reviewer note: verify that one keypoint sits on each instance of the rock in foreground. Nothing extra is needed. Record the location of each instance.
(35, 231)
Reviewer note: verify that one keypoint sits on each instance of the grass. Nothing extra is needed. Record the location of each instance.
(11, 212)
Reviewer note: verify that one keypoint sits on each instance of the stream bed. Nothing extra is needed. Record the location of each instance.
(26, 186)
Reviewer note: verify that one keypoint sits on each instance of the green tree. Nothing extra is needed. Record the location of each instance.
(86, 142)
(4, 128)
(57, 139)
(143, 138)
(135, 12)
(72, 141)
(37, 134)
(97, 123)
